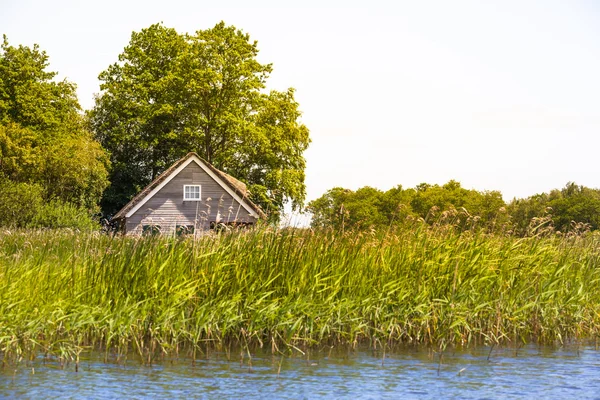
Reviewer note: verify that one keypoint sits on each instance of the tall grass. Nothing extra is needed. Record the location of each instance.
(62, 292)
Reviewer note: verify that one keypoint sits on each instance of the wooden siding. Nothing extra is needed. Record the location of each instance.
(168, 209)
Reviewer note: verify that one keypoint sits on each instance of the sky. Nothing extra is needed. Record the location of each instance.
(498, 95)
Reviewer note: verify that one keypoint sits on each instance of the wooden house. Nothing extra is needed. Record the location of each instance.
(191, 196)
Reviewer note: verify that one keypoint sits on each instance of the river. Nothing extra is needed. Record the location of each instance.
(409, 372)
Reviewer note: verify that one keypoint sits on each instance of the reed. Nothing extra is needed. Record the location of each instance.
(63, 292)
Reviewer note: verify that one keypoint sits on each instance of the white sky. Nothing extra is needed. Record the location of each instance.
(500, 95)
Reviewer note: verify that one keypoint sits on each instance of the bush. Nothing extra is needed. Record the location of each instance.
(22, 205)
(58, 214)
(19, 203)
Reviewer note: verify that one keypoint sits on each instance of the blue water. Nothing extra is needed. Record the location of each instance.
(540, 372)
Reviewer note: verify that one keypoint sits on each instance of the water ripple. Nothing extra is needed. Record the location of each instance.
(532, 371)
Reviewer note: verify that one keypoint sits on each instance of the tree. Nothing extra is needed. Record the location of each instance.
(328, 211)
(396, 203)
(575, 203)
(20, 153)
(170, 94)
(430, 199)
(489, 207)
(571, 205)
(364, 208)
(523, 211)
(43, 141)
(30, 97)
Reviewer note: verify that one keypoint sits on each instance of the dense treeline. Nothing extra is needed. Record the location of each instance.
(573, 208)
(52, 172)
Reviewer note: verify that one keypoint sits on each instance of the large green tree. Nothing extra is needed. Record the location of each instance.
(29, 95)
(43, 140)
(172, 93)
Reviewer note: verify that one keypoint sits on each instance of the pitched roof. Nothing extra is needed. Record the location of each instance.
(236, 186)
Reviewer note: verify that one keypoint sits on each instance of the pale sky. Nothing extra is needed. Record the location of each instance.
(499, 95)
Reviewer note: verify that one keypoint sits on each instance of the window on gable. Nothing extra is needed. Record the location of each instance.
(191, 192)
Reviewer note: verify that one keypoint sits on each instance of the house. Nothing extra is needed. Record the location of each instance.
(189, 197)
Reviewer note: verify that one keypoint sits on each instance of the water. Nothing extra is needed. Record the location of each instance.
(541, 372)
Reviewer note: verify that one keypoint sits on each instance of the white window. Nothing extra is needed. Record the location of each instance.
(191, 192)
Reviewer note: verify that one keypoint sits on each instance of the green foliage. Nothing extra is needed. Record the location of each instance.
(19, 203)
(571, 209)
(489, 206)
(42, 137)
(575, 204)
(524, 211)
(57, 214)
(441, 197)
(328, 211)
(22, 206)
(28, 94)
(75, 170)
(170, 94)
(568, 208)
(20, 153)
(157, 296)
(371, 208)
(396, 204)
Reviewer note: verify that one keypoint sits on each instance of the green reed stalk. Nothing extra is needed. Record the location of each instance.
(62, 292)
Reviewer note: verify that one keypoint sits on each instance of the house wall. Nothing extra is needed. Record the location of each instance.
(167, 208)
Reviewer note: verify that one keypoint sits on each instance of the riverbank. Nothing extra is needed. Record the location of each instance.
(62, 293)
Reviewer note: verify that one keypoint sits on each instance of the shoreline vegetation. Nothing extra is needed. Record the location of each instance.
(63, 293)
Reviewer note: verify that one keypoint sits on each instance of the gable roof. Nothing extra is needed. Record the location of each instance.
(231, 185)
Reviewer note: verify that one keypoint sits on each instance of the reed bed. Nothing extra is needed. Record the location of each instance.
(62, 293)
